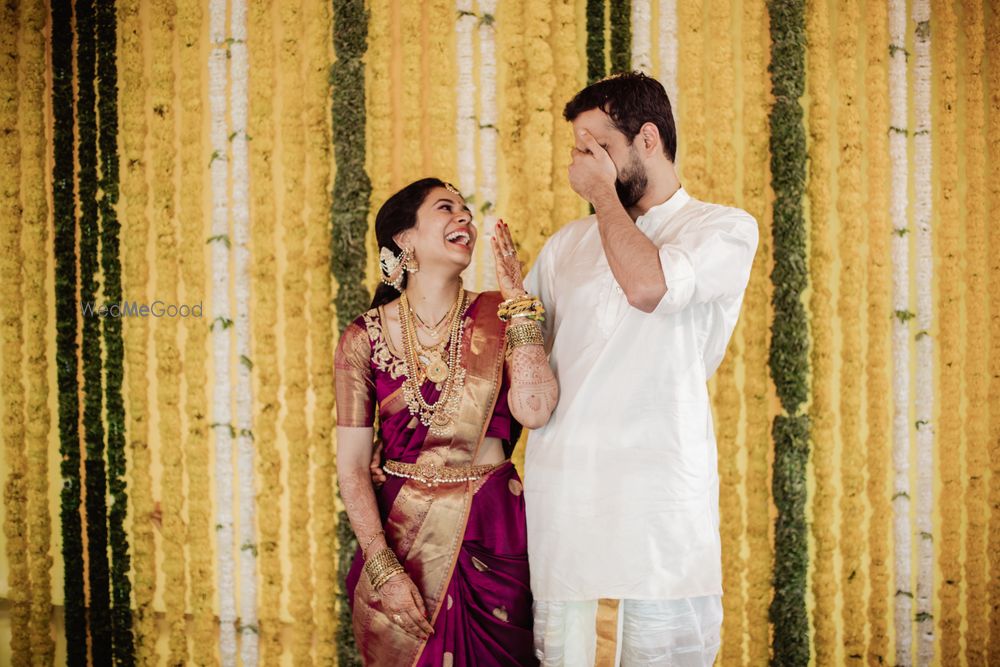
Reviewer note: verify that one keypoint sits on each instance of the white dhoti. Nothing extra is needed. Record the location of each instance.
(628, 633)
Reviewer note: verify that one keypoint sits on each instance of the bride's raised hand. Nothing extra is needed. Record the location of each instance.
(509, 278)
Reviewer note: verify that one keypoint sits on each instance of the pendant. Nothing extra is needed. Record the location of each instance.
(441, 423)
(434, 367)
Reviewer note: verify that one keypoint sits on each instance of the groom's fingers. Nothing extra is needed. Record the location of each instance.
(588, 140)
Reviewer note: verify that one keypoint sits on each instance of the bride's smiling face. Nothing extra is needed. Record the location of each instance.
(444, 234)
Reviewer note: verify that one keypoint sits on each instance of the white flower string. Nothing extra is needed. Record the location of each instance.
(465, 120)
(221, 321)
(898, 110)
(244, 391)
(667, 26)
(641, 20)
(486, 184)
(922, 205)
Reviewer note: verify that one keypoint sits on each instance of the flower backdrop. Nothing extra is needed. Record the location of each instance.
(169, 477)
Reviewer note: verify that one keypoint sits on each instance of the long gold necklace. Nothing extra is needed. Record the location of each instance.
(438, 416)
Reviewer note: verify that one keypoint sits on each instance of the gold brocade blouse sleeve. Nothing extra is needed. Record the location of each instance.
(353, 380)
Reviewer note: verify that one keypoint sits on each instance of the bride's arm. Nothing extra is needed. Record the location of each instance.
(533, 387)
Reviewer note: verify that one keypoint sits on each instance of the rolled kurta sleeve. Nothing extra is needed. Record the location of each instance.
(708, 262)
(353, 381)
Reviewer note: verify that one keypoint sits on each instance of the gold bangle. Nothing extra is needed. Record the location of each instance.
(524, 334)
(522, 306)
(381, 567)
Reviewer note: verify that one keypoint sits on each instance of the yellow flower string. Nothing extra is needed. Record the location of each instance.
(727, 398)
(689, 108)
(34, 239)
(409, 150)
(263, 201)
(566, 204)
(879, 335)
(534, 224)
(514, 147)
(294, 283)
(378, 123)
(950, 340)
(850, 211)
(977, 315)
(134, 235)
(993, 179)
(168, 361)
(318, 156)
(439, 83)
(12, 352)
(192, 233)
(824, 578)
(756, 327)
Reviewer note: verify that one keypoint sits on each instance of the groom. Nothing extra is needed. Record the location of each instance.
(621, 485)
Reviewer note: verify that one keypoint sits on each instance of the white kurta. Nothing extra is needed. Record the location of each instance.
(622, 484)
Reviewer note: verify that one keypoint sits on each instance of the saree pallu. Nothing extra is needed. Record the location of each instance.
(463, 544)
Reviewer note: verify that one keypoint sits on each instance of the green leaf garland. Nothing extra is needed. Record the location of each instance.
(790, 339)
(349, 219)
(63, 199)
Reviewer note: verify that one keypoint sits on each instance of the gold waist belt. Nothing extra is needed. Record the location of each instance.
(432, 474)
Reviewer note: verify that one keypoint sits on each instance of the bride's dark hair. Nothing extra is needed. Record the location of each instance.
(399, 213)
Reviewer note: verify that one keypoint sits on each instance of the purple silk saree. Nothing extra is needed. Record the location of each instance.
(463, 544)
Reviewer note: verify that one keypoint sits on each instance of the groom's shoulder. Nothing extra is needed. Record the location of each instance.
(709, 211)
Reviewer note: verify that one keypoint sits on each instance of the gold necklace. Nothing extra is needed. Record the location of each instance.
(433, 331)
(439, 415)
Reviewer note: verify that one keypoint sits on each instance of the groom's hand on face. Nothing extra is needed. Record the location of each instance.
(592, 172)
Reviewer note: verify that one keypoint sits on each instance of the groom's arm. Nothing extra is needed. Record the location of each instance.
(634, 260)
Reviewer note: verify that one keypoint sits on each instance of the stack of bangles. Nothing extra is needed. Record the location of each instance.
(382, 567)
(523, 314)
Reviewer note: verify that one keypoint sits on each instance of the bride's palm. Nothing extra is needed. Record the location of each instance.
(509, 278)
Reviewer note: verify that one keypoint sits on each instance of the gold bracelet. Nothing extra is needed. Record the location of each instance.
(381, 567)
(364, 549)
(524, 334)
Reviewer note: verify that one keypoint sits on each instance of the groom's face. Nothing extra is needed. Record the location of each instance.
(631, 181)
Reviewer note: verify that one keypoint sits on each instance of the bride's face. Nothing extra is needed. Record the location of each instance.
(444, 234)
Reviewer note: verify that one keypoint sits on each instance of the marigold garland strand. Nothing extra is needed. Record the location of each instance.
(135, 232)
(15, 498)
(977, 315)
(31, 86)
(294, 283)
(948, 280)
(63, 202)
(514, 41)
(993, 180)
(756, 317)
(408, 107)
(317, 199)
(821, 307)
(690, 107)
(728, 404)
(877, 373)
(193, 157)
(789, 357)
(439, 109)
(169, 368)
(566, 204)
(533, 225)
(850, 211)
(264, 340)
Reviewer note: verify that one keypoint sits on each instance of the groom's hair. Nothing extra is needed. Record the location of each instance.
(631, 100)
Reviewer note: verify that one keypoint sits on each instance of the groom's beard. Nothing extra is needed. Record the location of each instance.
(631, 182)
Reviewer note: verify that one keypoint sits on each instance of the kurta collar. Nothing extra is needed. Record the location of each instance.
(655, 217)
